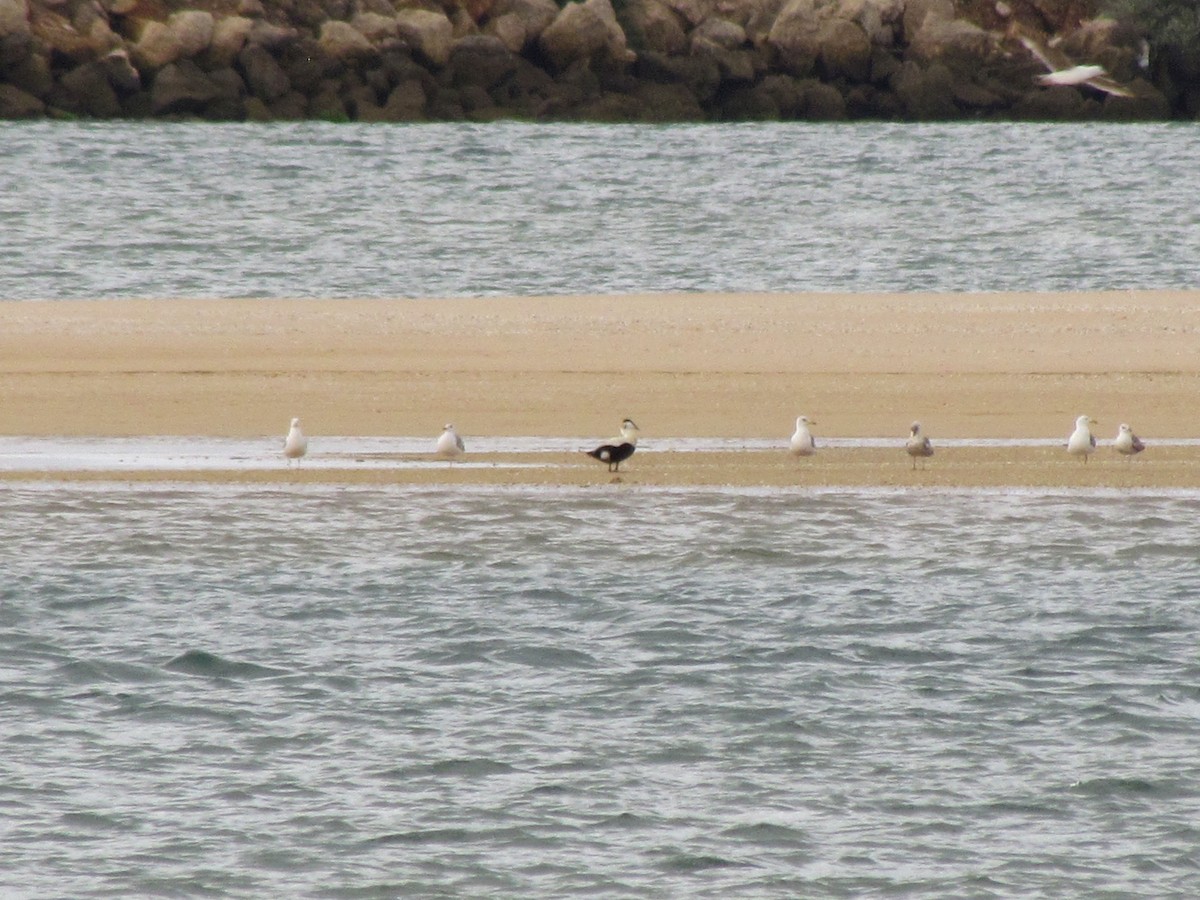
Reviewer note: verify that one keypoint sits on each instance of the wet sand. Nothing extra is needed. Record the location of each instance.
(861, 365)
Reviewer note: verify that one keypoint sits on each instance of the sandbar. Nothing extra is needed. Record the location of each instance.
(968, 366)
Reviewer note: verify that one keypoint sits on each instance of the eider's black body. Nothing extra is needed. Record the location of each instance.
(613, 454)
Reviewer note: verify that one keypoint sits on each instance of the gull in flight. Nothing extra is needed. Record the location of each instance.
(1063, 71)
(802, 440)
(1082, 442)
(1127, 443)
(295, 445)
(619, 449)
(917, 445)
(449, 443)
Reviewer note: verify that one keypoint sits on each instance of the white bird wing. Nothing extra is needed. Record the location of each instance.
(1109, 86)
(1062, 70)
(1054, 60)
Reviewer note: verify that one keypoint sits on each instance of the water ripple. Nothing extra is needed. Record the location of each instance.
(332, 691)
(512, 208)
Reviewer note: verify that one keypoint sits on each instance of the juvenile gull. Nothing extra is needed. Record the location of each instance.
(1126, 442)
(917, 446)
(1082, 442)
(295, 445)
(802, 440)
(619, 449)
(449, 444)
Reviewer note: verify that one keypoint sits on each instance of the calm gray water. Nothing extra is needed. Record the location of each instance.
(609, 692)
(316, 210)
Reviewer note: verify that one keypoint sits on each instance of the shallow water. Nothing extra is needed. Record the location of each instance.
(332, 452)
(94, 210)
(346, 692)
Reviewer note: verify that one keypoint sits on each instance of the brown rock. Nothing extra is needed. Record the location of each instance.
(272, 37)
(228, 38)
(479, 60)
(509, 30)
(32, 75)
(694, 11)
(721, 32)
(59, 37)
(668, 103)
(822, 102)
(700, 75)
(734, 65)
(120, 71)
(341, 40)
(845, 51)
(327, 104)
(375, 27)
(182, 88)
(94, 95)
(957, 43)
(917, 12)
(406, 103)
(796, 37)
(881, 20)
(659, 26)
(1146, 105)
(183, 35)
(17, 104)
(430, 34)
(926, 93)
(14, 20)
(1057, 104)
(264, 77)
(290, 107)
(581, 31)
(535, 17)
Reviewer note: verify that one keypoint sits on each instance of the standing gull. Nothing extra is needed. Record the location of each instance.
(295, 445)
(1082, 442)
(917, 446)
(629, 432)
(802, 439)
(619, 448)
(1126, 442)
(449, 443)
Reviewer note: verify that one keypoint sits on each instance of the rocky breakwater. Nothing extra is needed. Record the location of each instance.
(642, 60)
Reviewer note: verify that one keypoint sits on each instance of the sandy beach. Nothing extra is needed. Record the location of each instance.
(732, 366)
